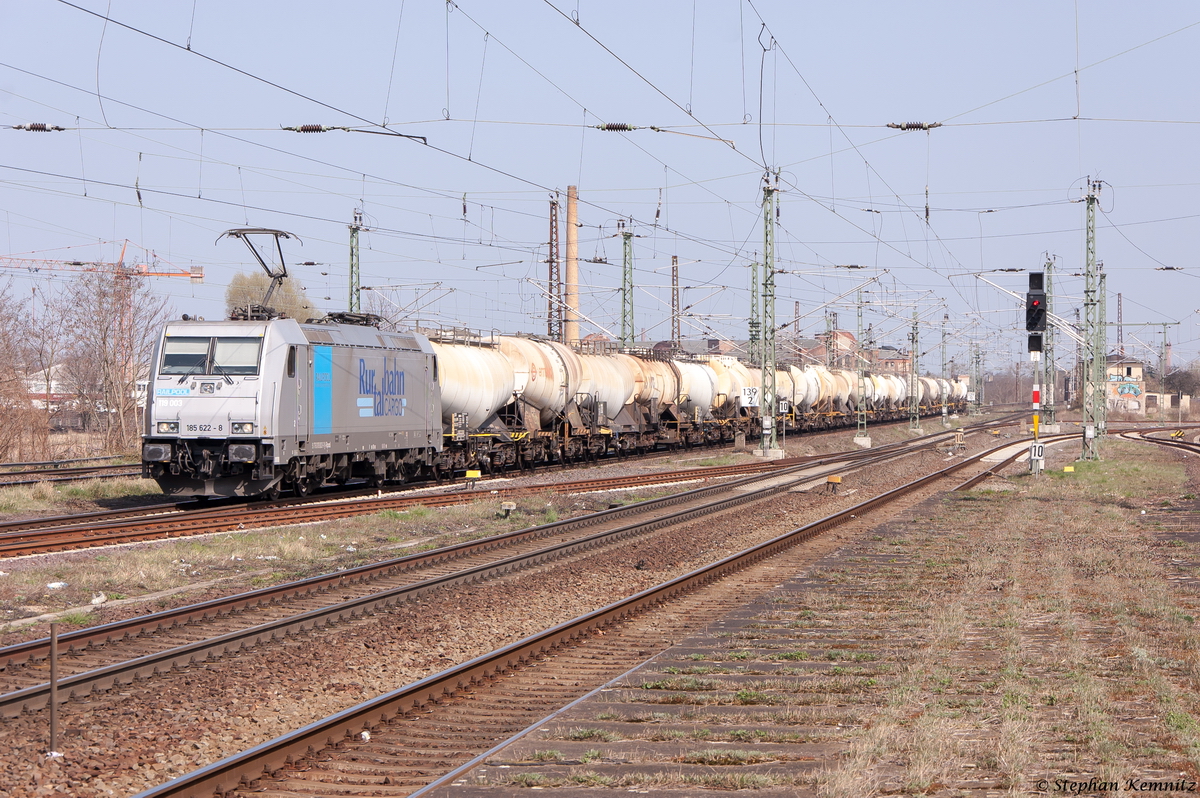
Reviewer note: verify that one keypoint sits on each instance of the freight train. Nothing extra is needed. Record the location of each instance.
(254, 407)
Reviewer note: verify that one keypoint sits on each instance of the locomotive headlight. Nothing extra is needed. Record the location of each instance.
(168, 426)
(243, 429)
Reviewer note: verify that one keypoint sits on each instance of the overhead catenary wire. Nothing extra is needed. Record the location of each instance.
(506, 206)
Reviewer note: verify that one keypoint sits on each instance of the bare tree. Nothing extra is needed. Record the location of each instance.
(16, 410)
(115, 320)
(45, 339)
(289, 298)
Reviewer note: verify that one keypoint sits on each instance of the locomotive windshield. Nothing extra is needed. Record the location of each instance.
(207, 356)
(185, 355)
(236, 355)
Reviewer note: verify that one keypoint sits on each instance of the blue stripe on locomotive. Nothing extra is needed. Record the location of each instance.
(322, 403)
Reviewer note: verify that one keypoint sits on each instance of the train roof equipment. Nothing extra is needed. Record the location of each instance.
(264, 244)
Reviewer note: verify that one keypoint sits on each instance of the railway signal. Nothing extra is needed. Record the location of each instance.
(1035, 304)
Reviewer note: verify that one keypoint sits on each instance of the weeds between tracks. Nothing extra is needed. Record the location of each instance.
(1066, 587)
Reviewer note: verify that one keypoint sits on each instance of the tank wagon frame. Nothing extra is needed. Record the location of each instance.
(244, 408)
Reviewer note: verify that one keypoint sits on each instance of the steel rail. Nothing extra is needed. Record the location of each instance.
(1145, 437)
(10, 530)
(167, 524)
(82, 638)
(132, 627)
(83, 683)
(53, 464)
(240, 517)
(13, 483)
(70, 470)
(996, 469)
(231, 772)
(105, 519)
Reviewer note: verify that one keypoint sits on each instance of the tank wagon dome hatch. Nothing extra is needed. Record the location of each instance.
(264, 244)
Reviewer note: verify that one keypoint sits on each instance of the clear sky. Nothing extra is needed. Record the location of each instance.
(183, 103)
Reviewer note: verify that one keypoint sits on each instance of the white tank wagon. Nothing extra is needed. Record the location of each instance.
(841, 390)
(785, 389)
(697, 389)
(635, 367)
(944, 390)
(807, 387)
(882, 388)
(827, 390)
(732, 376)
(659, 384)
(929, 391)
(897, 391)
(650, 415)
(476, 381)
(606, 385)
(546, 378)
(866, 393)
(847, 389)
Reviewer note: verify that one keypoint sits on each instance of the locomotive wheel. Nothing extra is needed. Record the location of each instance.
(302, 487)
(272, 493)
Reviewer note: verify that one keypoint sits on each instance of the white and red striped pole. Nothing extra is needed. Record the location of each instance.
(1037, 401)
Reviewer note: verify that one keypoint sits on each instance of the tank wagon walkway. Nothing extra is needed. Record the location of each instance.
(956, 650)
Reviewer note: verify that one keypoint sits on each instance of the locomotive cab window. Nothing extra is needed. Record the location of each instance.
(209, 356)
(291, 361)
(184, 356)
(236, 355)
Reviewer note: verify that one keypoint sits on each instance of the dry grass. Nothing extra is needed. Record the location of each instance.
(48, 496)
(1055, 580)
(644, 781)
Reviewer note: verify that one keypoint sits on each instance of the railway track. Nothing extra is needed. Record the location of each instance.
(52, 466)
(165, 521)
(10, 479)
(145, 645)
(1148, 437)
(41, 536)
(466, 710)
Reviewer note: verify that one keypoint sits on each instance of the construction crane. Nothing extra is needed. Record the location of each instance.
(153, 268)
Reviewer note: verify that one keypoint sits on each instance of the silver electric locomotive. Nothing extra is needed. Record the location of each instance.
(241, 408)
